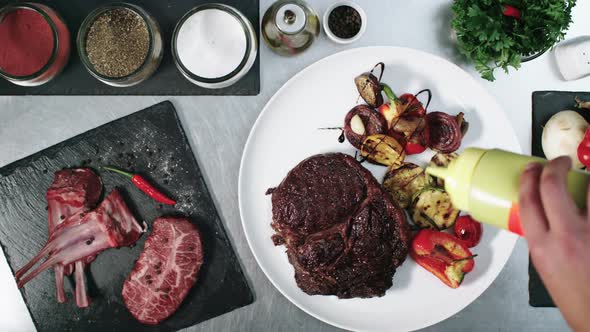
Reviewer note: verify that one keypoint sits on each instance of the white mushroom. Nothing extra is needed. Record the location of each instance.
(562, 134)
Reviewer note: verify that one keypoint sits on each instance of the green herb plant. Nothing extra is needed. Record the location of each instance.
(493, 40)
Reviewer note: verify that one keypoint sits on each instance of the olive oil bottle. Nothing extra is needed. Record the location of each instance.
(289, 27)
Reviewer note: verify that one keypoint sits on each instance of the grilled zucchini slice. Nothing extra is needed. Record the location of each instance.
(432, 208)
(441, 160)
(383, 149)
(404, 182)
(417, 184)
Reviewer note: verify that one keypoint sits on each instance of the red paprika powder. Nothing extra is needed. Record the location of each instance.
(34, 44)
(27, 42)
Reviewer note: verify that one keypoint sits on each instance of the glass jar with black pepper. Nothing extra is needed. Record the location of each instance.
(120, 44)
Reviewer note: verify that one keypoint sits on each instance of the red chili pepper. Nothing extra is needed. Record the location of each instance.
(145, 186)
(512, 12)
(443, 255)
(584, 149)
(468, 230)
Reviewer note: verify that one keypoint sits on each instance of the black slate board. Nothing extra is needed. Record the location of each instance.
(545, 105)
(167, 80)
(151, 142)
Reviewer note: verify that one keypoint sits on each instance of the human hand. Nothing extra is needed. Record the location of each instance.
(558, 235)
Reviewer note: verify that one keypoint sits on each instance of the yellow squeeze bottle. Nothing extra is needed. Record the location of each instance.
(485, 183)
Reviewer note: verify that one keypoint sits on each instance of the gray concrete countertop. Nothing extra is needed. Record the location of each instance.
(218, 128)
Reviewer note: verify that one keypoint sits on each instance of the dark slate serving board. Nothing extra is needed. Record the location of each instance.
(167, 80)
(151, 142)
(545, 105)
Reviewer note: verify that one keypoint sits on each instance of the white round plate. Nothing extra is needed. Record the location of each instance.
(286, 132)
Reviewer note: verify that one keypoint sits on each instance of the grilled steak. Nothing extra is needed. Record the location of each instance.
(165, 271)
(344, 235)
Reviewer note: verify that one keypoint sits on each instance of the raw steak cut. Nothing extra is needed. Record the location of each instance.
(73, 192)
(344, 235)
(165, 271)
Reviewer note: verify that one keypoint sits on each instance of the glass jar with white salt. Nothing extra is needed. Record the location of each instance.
(214, 45)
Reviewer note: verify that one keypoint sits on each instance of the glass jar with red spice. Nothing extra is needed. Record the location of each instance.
(34, 43)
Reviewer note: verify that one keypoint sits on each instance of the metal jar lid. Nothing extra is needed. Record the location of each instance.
(290, 18)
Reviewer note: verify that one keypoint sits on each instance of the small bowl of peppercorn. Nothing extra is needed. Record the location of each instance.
(345, 22)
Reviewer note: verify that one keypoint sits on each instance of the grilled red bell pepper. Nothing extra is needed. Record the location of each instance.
(584, 149)
(407, 105)
(411, 106)
(390, 110)
(443, 255)
(414, 148)
(419, 140)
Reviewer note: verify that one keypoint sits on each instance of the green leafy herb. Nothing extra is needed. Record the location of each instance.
(493, 40)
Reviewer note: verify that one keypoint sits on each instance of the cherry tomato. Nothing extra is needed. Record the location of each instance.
(512, 12)
(468, 230)
(584, 150)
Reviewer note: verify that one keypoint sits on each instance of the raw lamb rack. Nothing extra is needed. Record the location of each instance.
(72, 193)
(110, 225)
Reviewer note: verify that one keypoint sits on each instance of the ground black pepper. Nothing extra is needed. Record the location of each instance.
(344, 22)
(117, 42)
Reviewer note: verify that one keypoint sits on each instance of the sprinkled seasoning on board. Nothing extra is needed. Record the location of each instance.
(345, 22)
(117, 43)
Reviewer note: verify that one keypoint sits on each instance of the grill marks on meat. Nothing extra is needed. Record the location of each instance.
(316, 192)
(110, 225)
(165, 271)
(73, 192)
(344, 235)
